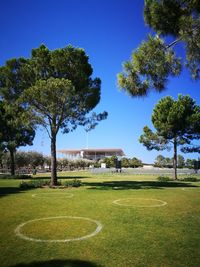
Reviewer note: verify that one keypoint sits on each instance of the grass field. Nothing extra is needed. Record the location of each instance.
(112, 220)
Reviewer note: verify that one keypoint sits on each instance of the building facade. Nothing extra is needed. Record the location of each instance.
(91, 154)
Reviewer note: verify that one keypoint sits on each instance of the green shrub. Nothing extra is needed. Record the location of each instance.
(34, 184)
(73, 183)
(190, 179)
(163, 178)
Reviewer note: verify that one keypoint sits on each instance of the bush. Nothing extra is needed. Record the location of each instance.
(73, 183)
(34, 184)
(163, 178)
(37, 183)
(190, 179)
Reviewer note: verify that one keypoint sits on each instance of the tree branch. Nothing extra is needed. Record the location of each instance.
(174, 42)
(45, 126)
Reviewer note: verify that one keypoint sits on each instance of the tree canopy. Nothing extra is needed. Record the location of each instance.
(15, 77)
(63, 92)
(52, 88)
(155, 60)
(17, 124)
(177, 123)
(162, 161)
(15, 129)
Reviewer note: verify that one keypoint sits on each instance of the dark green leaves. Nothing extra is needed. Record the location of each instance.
(152, 140)
(49, 97)
(15, 77)
(179, 18)
(149, 68)
(15, 130)
(69, 63)
(63, 91)
(164, 16)
(155, 61)
(177, 120)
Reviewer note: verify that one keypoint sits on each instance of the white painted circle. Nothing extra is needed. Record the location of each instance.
(190, 189)
(68, 195)
(23, 236)
(120, 202)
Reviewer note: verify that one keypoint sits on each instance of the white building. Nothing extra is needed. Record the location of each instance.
(92, 154)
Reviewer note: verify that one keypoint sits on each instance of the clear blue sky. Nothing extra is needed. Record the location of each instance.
(108, 30)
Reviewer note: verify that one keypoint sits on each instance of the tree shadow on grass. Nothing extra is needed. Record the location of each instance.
(41, 177)
(124, 185)
(5, 191)
(58, 263)
(59, 177)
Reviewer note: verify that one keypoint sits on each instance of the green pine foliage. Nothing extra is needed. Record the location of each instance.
(55, 89)
(149, 68)
(177, 123)
(155, 60)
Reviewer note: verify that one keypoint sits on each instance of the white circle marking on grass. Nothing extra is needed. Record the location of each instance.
(68, 195)
(162, 203)
(190, 189)
(23, 236)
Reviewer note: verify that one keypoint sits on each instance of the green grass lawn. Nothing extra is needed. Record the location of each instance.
(135, 232)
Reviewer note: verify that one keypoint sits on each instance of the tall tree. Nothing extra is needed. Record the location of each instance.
(177, 123)
(17, 127)
(15, 130)
(63, 93)
(155, 60)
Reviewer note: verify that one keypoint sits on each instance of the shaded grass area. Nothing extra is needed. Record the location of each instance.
(58, 263)
(131, 236)
(10, 187)
(4, 191)
(125, 185)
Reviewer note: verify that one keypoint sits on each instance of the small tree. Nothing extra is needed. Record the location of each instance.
(135, 162)
(125, 162)
(168, 162)
(180, 161)
(22, 159)
(36, 159)
(177, 123)
(189, 163)
(106, 161)
(159, 161)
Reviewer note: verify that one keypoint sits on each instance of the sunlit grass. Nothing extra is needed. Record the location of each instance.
(58, 228)
(131, 235)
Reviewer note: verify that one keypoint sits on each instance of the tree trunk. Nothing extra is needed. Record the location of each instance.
(12, 162)
(175, 159)
(53, 161)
